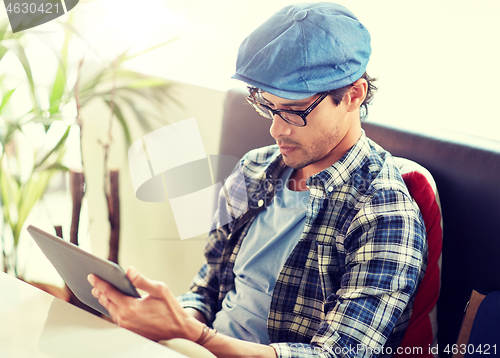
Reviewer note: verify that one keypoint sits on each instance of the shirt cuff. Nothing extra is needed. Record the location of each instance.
(196, 301)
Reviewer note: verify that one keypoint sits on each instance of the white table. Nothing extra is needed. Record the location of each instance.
(36, 324)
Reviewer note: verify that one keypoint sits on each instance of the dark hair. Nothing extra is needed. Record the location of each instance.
(338, 94)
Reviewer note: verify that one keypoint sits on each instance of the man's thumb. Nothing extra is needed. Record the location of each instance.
(141, 282)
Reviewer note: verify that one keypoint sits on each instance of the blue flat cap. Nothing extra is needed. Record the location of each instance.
(304, 49)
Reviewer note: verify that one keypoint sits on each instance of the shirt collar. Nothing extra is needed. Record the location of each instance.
(341, 171)
(335, 175)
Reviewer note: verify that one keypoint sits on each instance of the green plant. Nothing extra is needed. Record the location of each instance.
(109, 82)
(22, 185)
(20, 195)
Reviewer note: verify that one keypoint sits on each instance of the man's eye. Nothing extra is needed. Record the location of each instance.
(297, 109)
(267, 104)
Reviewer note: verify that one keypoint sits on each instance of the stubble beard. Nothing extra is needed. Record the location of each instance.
(297, 165)
(301, 163)
(303, 160)
(306, 156)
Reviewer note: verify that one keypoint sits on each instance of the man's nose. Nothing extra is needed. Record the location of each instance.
(279, 127)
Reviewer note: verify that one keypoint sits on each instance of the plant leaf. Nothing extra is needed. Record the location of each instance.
(151, 49)
(9, 191)
(5, 99)
(57, 90)
(141, 118)
(148, 83)
(3, 28)
(18, 50)
(30, 195)
(57, 166)
(3, 51)
(56, 147)
(119, 115)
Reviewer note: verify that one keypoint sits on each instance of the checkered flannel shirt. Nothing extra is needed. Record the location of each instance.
(347, 288)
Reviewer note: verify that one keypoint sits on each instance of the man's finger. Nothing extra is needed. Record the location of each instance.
(101, 287)
(111, 308)
(96, 293)
(103, 301)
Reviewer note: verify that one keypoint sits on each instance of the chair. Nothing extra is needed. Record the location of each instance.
(422, 330)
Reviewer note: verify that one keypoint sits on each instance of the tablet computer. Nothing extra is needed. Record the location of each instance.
(75, 264)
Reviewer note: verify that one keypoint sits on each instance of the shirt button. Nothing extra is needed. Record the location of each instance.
(260, 203)
(330, 189)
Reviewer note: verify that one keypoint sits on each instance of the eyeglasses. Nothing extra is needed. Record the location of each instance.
(296, 118)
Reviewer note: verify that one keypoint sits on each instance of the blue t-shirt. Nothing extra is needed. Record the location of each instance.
(270, 240)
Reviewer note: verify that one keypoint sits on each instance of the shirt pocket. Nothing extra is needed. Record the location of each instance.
(329, 270)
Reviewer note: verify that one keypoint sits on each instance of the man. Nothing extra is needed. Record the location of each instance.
(326, 258)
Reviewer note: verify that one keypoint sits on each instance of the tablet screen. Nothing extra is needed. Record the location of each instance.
(75, 264)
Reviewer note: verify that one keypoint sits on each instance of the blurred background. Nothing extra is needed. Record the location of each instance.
(434, 61)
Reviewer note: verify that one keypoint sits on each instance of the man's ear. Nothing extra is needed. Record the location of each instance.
(356, 94)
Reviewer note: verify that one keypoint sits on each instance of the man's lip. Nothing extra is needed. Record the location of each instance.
(286, 149)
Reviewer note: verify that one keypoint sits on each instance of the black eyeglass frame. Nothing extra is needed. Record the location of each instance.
(302, 114)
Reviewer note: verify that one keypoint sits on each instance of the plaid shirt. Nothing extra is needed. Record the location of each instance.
(347, 288)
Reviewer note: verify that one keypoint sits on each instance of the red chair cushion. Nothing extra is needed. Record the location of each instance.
(422, 329)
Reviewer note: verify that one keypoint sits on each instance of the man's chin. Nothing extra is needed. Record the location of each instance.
(294, 164)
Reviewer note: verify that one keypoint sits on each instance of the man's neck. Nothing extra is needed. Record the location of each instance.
(299, 177)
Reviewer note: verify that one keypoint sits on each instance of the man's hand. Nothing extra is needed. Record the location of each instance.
(156, 316)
